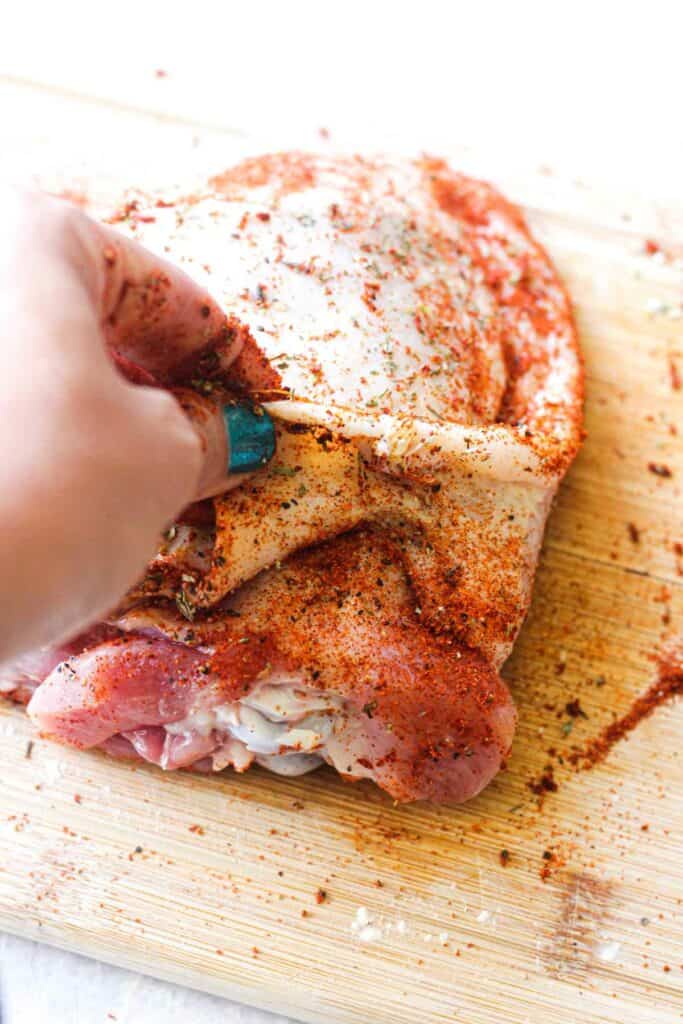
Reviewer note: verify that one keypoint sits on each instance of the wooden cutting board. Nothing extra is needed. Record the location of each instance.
(318, 898)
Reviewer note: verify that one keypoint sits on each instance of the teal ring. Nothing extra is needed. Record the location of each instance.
(251, 437)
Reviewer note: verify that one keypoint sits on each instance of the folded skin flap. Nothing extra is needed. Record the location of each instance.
(424, 367)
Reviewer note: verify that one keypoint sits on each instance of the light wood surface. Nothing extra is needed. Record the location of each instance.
(212, 881)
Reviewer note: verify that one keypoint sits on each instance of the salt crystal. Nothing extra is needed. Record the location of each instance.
(363, 927)
(362, 918)
(371, 933)
(608, 951)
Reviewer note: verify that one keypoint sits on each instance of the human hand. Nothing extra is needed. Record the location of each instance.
(92, 466)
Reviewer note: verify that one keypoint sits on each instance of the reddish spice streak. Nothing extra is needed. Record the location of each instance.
(455, 195)
(130, 211)
(634, 533)
(528, 299)
(659, 469)
(293, 172)
(678, 551)
(369, 296)
(669, 684)
(676, 380)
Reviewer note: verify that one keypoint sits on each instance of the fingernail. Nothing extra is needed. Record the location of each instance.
(251, 435)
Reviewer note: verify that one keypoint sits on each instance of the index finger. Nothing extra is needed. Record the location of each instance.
(153, 315)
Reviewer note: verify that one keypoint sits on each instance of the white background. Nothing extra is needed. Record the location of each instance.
(594, 90)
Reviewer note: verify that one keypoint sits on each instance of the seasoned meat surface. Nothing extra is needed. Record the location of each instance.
(352, 602)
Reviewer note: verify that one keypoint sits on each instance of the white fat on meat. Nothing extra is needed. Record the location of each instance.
(279, 725)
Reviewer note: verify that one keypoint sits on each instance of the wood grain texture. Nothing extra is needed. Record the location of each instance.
(212, 882)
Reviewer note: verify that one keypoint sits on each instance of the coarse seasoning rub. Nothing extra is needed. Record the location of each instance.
(352, 602)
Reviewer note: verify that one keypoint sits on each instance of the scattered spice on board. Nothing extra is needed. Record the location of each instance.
(551, 860)
(678, 552)
(669, 683)
(574, 709)
(545, 783)
(634, 533)
(660, 469)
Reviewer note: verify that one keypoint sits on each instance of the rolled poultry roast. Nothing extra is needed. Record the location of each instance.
(353, 602)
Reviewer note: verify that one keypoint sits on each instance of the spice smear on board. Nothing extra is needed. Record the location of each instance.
(669, 683)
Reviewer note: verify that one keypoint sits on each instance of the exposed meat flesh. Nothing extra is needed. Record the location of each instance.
(324, 659)
(20, 679)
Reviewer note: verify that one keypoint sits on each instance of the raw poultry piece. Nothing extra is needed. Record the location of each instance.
(321, 660)
(421, 360)
(418, 353)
